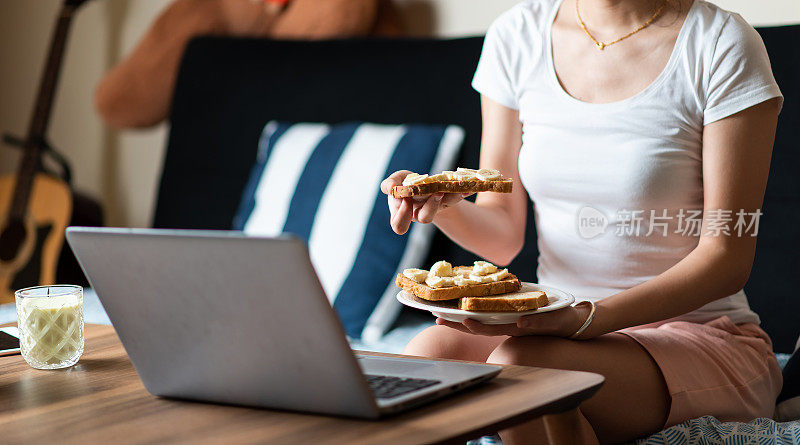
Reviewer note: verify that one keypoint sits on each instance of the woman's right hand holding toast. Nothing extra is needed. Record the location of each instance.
(494, 226)
(420, 209)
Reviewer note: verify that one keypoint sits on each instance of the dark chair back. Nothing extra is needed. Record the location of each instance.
(774, 286)
(229, 88)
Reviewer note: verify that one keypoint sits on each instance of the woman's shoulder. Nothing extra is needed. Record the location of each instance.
(717, 38)
(526, 16)
(730, 62)
(714, 23)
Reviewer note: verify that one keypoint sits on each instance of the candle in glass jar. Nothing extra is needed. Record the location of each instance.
(51, 329)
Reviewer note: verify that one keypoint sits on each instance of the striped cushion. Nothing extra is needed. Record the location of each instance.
(321, 183)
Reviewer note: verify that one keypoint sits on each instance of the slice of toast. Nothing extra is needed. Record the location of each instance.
(504, 185)
(421, 290)
(516, 302)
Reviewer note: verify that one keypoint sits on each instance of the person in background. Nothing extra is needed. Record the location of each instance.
(137, 92)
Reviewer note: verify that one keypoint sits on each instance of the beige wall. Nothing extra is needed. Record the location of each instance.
(466, 17)
(121, 168)
(25, 28)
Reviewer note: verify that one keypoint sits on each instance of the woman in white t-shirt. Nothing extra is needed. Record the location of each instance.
(646, 133)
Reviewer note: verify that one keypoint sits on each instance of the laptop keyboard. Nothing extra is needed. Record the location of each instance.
(388, 387)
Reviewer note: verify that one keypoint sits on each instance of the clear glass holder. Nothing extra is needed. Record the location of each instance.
(50, 322)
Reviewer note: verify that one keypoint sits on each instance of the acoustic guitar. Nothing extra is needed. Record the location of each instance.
(35, 207)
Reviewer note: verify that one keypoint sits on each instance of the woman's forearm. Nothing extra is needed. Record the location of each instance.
(710, 272)
(494, 226)
(484, 229)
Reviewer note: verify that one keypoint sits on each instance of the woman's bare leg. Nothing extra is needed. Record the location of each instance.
(443, 342)
(633, 401)
(566, 428)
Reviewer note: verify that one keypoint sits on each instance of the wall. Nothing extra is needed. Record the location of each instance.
(453, 18)
(25, 28)
(121, 168)
(136, 156)
(118, 168)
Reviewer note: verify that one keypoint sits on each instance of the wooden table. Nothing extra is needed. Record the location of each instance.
(101, 399)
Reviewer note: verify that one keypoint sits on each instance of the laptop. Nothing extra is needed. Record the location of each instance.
(227, 318)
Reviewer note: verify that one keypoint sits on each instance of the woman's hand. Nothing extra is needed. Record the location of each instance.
(560, 323)
(420, 209)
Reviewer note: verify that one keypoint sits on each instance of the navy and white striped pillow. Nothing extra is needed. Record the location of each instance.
(321, 182)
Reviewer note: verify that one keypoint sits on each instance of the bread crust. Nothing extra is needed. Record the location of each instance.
(528, 301)
(471, 186)
(420, 290)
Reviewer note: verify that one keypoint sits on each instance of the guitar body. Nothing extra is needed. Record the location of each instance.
(48, 214)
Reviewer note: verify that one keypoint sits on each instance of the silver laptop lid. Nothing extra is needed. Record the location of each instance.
(222, 317)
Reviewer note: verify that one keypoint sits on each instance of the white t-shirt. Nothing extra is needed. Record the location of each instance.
(602, 176)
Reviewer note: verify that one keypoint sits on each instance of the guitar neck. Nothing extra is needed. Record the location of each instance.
(41, 114)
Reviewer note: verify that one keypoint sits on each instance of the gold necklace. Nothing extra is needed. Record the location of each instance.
(600, 45)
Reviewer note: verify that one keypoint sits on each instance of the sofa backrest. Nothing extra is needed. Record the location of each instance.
(774, 286)
(229, 88)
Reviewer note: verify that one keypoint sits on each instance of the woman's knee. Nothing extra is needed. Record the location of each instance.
(549, 352)
(633, 385)
(447, 343)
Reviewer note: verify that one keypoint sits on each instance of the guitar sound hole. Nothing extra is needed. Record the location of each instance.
(11, 239)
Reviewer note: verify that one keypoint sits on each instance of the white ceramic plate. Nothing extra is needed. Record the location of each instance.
(557, 297)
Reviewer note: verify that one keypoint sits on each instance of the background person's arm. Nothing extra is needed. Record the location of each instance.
(494, 226)
(324, 19)
(137, 92)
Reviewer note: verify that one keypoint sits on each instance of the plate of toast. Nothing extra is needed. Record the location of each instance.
(482, 292)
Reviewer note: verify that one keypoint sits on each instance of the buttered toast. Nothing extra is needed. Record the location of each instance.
(481, 287)
(422, 290)
(463, 180)
(517, 302)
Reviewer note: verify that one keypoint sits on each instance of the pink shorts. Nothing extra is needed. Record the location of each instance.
(717, 368)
